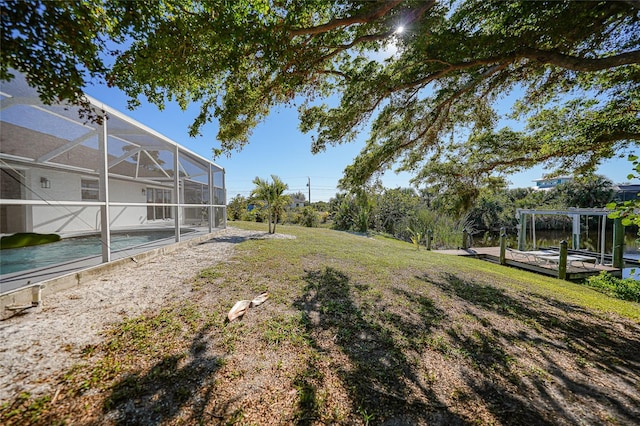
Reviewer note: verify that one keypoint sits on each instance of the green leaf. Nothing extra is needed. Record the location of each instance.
(611, 206)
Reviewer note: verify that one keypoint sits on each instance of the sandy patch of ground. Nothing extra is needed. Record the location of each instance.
(45, 342)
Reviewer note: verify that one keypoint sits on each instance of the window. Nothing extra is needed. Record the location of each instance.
(90, 190)
(167, 199)
(11, 184)
(158, 196)
(12, 218)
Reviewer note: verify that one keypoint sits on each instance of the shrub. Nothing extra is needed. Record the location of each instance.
(324, 217)
(236, 207)
(309, 217)
(620, 288)
(416, 238)
(447, 232)
(292, 216)
(255, 215)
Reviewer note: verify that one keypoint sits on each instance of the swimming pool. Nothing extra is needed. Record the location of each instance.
(25, 258)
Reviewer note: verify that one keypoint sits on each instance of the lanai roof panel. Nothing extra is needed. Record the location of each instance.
(40, 119)
(64, 138)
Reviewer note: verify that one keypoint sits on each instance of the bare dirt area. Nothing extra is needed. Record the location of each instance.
(37, 345)
(355, 331)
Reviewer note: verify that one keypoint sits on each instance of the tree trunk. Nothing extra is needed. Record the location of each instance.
(275, 221)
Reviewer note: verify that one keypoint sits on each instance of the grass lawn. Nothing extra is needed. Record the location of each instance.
(361, 330)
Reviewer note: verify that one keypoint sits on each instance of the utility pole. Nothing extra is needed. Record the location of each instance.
(309, 186)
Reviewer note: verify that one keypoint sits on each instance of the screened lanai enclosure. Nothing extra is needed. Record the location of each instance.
(64, 174)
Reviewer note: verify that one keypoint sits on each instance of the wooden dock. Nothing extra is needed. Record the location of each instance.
(575, 270)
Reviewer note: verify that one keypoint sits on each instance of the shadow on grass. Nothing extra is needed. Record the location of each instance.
(231, 239)
(383, 385)
(160, 394)
(237, 239)
(565, 339)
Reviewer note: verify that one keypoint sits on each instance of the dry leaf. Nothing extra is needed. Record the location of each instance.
(260, 299)
(239, 309)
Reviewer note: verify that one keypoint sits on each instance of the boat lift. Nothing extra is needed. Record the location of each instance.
(575, 214)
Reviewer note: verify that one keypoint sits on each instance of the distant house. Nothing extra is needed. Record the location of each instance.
(626, 192)
(296, 202)
(548, 183)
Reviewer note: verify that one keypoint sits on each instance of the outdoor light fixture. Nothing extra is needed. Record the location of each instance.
(45, 183)
(144, 191)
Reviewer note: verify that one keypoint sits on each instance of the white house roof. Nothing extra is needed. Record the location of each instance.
(543, 179)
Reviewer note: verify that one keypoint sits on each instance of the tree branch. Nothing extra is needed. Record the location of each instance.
(536, 157)
(335, 73)
(438, 110)
(618, 135)
(572, 63)
(504, 60)
(343, 47)
(515, 162)
(369, 37)
(575, 63)
(345, 22)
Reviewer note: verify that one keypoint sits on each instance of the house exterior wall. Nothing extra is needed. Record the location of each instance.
(627, 192)
(12, 187)
(57, 219)
(295, 203)
(127, 192)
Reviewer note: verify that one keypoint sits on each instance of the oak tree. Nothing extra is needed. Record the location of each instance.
(428, 79)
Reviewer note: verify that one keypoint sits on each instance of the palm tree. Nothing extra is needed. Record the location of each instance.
(272, 194)
(281, 201)
(262, 193)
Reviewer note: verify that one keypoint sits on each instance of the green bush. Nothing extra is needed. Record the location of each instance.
(447, 232)
(236, 207)
(292, 216)
(255, 215)
(620, 288)
(309, 217)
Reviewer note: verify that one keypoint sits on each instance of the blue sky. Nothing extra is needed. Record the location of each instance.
(278, 147)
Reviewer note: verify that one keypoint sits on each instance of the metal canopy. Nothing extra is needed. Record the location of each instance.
(574, 213)
(567, 212)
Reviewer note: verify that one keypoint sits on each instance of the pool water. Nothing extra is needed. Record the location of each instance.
(65, 250)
